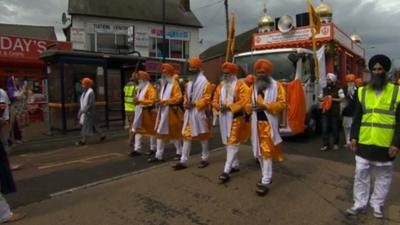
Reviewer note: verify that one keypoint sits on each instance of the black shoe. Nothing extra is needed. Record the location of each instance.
(177, 157)
(203, 164)
(155, 160)
(262, 190)
(80, 143)
(179, 166)
(260, 184)
(235, 170)
(224, 177)
(102, 138)
(150, 152)
(134, 153)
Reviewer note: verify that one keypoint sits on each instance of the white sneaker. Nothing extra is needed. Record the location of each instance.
(335, 147)
(324, 148)
(354, 210)
(378, 213)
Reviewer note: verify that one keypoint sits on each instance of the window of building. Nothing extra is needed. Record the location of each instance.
(122, 43)
(177, 49)
(106, 43)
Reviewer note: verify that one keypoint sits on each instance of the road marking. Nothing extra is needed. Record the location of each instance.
(87, 160)
(108, 180)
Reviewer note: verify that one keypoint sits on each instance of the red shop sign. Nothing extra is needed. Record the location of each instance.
(20, 47)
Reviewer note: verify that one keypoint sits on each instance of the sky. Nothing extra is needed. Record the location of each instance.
(374, 20)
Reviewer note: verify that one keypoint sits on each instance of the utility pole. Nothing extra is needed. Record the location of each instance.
(164, 50)
(227, 17)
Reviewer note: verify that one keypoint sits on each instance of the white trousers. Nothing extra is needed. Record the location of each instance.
(178, 146)
(138, 143)
(187, 145)
(266, 170)
(232, 160)
(5, 212)
(347, 121)
(161, 147)
(362, 182)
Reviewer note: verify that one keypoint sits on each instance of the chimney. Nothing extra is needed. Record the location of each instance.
(185, 4)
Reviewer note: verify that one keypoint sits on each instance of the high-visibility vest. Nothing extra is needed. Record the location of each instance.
(379, 115)
(129, 91)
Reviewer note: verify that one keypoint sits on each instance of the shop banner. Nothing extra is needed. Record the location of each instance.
(19, 47)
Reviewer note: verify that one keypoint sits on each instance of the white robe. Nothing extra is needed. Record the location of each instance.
(270, 95)
(162, 121)
(196, 118)
(226, 118)
(137, 121)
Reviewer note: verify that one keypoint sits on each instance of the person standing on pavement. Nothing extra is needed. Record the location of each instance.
(143, 123)
(6, 178)
(196, 124)
(129, 93)
(333, 95)
(18, 95)
(267, 101)
(375, 137)
(169, 115)
(87, 113)
(230, 99)
(349, 105)
(5, 126)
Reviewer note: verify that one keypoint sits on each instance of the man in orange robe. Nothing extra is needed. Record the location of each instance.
(143, 123)
(230, 98)
(169, 115)
(196, 124)
(267, 101)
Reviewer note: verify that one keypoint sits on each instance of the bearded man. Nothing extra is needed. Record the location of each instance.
(375, 137)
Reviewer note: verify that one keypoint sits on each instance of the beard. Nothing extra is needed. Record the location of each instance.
(192, 77)
(141, 85)
(263, 82)
(350, 89)
(378, 82)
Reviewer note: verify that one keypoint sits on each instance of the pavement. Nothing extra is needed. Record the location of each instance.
(305, 190)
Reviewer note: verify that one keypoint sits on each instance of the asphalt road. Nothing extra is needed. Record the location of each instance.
(46, 173)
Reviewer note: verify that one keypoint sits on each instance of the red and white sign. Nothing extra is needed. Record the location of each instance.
(27, 48)
(299, 34)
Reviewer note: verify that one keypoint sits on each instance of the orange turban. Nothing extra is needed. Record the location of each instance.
(263, 65)
(168, 69)
(144, 75)
(249, 80)
(195, 62)
(87, 82)
(230, 68)
(350, 77)
(359, 81)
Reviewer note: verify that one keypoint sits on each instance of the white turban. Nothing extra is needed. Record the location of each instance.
(331, 77)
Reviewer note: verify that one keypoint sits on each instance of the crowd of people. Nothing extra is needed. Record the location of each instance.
(246, 110)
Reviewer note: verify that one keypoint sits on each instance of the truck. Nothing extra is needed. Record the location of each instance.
(291, 54)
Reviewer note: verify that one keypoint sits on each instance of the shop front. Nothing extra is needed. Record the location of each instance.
(19, 58)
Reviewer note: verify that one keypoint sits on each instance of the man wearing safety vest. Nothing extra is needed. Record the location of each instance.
(129, 106)
(375, 137)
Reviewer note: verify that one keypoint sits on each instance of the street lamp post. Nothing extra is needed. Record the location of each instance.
(164, 50)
